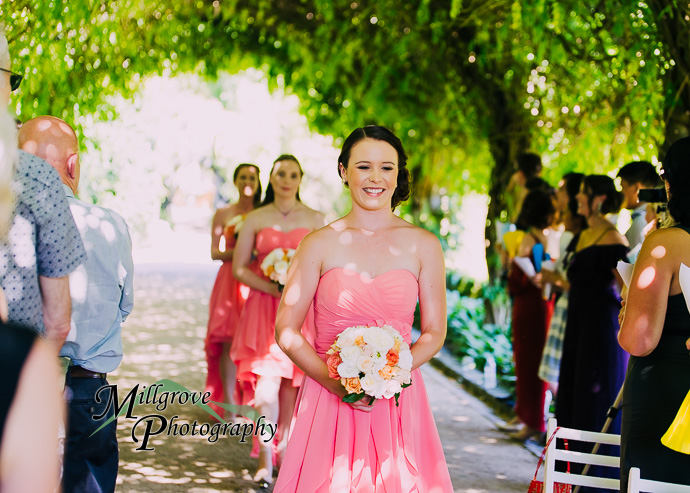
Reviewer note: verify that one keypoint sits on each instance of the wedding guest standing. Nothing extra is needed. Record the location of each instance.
(268, 379)
(369, 267)
(228, 295)
(30, 403)
(635, 176)
(102, 291)
(655, 327)
(531, 314)
(43, 246)
(593, 364)
(573, 224)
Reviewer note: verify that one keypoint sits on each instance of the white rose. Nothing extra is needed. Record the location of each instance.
(346, 370)
(405, 359)
(380, 362)
(368, 383)
(380, 340)
(350, 354)
(281, 267)
(392, 388)
(380, 388)
(365, 363)
(402, 376)
(347, 337)
(368, 350)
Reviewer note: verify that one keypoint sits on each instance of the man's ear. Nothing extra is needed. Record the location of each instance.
(72, 165)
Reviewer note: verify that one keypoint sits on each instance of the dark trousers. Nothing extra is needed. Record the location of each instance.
(90, 463)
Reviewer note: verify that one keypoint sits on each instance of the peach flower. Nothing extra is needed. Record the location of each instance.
(392, 357)
(387, 372)
(352, 385)
(333, 361)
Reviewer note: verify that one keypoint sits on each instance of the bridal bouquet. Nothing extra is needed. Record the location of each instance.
(370, 361)
(276, 263)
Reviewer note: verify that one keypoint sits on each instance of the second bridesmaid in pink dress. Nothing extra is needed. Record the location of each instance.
(268, 378)
(228, 295)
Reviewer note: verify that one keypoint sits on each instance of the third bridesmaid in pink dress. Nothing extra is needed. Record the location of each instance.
(228, 295)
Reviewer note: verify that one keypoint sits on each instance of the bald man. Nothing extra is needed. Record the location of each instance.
(102, 296)
(43, 245)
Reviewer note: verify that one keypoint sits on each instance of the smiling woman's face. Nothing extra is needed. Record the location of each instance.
(372, 173)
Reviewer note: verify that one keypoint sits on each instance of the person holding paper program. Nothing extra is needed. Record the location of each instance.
(655, 327)
(531, 314)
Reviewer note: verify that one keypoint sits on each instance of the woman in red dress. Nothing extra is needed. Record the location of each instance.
(531, 315)
(228, 295)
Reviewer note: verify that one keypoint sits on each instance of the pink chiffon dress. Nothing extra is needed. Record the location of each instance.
(254, 349)
(334, 448)
(225, 306)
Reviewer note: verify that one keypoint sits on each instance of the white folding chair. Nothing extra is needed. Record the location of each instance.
(553, 454)
(637, 485)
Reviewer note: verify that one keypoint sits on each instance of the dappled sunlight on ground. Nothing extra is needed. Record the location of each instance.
(163, 338)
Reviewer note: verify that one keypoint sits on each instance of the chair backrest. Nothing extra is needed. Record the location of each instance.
(553, 454)
(637, 485)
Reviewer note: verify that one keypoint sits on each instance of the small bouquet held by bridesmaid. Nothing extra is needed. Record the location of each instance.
(237, 221)
(276, 263)
(370, 361)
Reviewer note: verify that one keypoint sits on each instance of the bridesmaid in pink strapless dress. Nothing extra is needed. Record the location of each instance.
(267, 377)
(334, 447)
(368, 267)
(254, 350)
(228, 295)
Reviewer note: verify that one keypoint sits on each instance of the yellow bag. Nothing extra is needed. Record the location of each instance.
(678, 435)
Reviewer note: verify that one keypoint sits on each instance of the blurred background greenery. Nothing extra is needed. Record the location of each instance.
(169, 97)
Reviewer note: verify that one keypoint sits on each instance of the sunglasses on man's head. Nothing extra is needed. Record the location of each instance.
(15, 79)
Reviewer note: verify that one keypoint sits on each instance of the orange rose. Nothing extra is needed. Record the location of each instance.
(392, 357)
(352, 385)
(333, 361)
(386, 372)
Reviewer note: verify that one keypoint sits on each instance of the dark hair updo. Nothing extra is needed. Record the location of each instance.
(572, 184)
(595, 185)
(376, 132)
(257, 194)
(676, 173)
(270, 195)
(536, 209)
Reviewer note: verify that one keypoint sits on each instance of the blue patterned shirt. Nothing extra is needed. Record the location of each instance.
(42, 240)
(102, 288)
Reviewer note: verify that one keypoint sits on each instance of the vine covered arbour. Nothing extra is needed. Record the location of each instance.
(469, 84)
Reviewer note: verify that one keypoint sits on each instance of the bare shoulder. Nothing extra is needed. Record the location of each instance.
(613, 237)
(316, 218)
(255, 217)
(668, 237)
(423, 240)
(224, 213)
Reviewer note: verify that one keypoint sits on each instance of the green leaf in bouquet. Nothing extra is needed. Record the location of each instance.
(353, 397)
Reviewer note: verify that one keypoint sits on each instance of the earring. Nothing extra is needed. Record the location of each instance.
(344, 182)
(599, 208)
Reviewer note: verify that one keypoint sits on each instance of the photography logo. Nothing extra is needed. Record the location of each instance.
(165, 393)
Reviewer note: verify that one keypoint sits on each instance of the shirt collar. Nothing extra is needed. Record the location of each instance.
(68, 191)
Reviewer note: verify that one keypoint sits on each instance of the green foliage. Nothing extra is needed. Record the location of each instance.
(469, 335)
